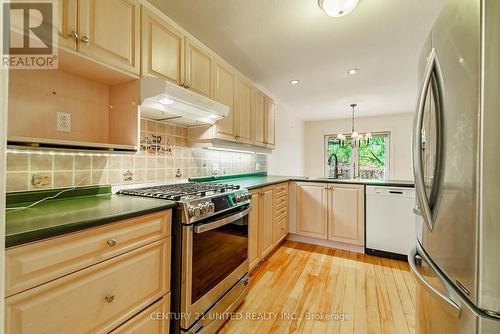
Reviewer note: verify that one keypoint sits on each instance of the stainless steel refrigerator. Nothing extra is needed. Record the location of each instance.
(456, 165)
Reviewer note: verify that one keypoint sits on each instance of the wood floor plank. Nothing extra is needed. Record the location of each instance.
(304, 287)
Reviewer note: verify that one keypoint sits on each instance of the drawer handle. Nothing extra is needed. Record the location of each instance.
(111, 242)
(109, 298)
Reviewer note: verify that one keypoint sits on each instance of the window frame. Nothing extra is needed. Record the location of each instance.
(388, 150)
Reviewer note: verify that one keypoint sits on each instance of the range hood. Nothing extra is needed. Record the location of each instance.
(166, 102)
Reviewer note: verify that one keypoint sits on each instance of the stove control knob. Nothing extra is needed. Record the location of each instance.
(194, 211)
(204, 208)
(211, 207)
(247, 196)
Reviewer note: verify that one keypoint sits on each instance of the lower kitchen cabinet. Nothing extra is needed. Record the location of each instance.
(312, 210)
(119, 270)
(268, 221)
(253, 230)
(333, 212)
(149, 321)
(346, 214)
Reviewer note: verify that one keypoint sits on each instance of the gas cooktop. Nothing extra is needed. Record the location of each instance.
(182, 191)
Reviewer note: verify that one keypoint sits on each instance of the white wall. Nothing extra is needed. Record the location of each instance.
(399, 126)
(288, 156)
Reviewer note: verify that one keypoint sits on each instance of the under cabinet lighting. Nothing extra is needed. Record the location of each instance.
(228, 150)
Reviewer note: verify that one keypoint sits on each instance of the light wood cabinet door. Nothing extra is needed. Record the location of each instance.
(149, 321)
(96, 299)
(253, 231)
(266, 222)
(312, 210)
(258, 106)
(243, 111)
(225, 83)
(346, 214)
(199, 69)
(67, 29)
(109, 31)
(270, 122)
(162, 49)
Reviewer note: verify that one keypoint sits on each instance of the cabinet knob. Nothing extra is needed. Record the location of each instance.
(84, 39)
(109, 298)
(111, 242)
(73, 34)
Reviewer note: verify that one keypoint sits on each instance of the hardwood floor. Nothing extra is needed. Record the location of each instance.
(300, 283)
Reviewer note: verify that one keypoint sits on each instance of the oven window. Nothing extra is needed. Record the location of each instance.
(216, 254)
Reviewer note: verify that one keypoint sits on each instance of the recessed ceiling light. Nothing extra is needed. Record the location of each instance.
(294, 82)
(353, 71)
(337, 8)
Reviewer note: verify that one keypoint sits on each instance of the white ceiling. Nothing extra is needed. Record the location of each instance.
(275, 41)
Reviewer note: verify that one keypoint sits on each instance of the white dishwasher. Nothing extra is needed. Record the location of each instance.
(390, 221)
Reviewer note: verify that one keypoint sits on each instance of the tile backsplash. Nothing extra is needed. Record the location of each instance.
(164, 155)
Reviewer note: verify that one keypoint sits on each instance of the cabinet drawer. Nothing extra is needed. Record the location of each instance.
(280, 229)
(37, 263)
(281, 214)
(95, 299)
(280, 190)
(280, 202)
(150, 321)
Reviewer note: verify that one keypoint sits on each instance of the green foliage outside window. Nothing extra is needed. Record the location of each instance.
(371, 157)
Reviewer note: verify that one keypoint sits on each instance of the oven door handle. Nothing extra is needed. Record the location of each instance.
(221, 222)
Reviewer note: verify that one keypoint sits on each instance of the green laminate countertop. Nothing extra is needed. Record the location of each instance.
(69, 214)
(259, 180)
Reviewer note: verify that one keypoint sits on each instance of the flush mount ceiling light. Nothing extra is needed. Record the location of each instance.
(294, 82)
(165, 101)
(337, 8)
(353, 71)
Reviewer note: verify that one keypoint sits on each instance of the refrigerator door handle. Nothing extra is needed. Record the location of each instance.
(432, 72)
(445, 300)
(448, 302)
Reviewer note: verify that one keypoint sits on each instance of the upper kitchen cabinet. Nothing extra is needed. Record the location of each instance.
(162, 49)
(270, 123)
(199, 68)
(225, 84)
(67, 29)
(243, 111)
(258, 118)
(109, 31)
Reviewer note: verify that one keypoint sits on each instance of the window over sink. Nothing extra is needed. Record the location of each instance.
(367, 159)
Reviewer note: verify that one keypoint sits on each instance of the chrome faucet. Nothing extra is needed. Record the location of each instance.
(336, 167)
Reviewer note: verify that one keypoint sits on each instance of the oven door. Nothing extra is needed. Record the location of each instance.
(215, 258)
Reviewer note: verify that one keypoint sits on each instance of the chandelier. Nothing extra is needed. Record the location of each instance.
(357, 139)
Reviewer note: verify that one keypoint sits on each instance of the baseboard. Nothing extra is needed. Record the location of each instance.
(325, 243)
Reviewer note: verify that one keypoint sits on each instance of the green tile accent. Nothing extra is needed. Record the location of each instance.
(226, 177)
(25, 197)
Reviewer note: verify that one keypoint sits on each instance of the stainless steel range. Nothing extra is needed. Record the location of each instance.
(209, 252)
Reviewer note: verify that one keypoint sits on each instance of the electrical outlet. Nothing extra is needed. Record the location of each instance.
(215, 168)
(63, 122)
